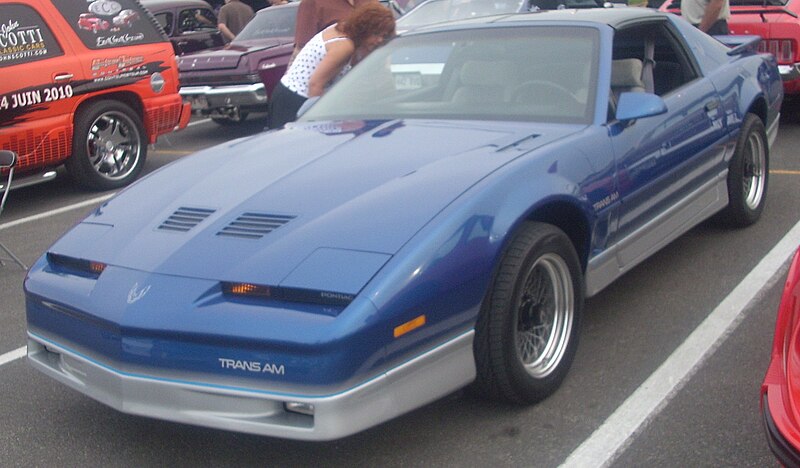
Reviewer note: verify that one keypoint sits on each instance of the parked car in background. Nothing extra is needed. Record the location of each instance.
(778, 24)
(230, 82)
(395, 244)
(91, 98)
(190, 24)
(438, 11)
(780, 392)
(126, 18)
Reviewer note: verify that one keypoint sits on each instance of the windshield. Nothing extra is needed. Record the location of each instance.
(436, 11)
(273, 22)
(542, 73)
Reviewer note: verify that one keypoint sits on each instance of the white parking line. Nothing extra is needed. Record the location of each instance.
(64, 209)
(13, 355)
(642, 406)
(197, 122)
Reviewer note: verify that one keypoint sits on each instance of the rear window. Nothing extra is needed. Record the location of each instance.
(102, 24)
(24, 36)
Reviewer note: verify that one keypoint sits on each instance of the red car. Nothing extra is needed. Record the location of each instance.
(780, 392)
(89, 22)
(778, 24)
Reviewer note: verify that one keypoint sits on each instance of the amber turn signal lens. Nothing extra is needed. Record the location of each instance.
(411, 325)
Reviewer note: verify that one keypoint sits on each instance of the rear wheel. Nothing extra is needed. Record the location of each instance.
(747, 175)
(109, 146)
(527, 332)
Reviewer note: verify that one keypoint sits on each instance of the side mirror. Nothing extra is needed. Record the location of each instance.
(632, 106)
(8, 158)
(307, 105)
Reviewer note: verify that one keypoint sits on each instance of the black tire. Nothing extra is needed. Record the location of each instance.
(109, 146)
(235, 119)
(748, 175)
(539, 268)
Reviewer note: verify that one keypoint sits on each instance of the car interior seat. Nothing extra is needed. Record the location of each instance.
(483, 81)
(626, 76)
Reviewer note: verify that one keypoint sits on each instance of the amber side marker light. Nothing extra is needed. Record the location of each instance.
(411, 325)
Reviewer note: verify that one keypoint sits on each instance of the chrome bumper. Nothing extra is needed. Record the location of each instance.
(789, 72)
(417, 382)
(204, 98)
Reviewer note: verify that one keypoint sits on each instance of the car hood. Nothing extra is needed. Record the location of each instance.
(228, 56)
(317, 197)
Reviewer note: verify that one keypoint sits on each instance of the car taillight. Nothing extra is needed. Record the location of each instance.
(782, 49)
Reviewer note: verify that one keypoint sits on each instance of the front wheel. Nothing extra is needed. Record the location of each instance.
(747, 175)
(109, 146)
(527, 332)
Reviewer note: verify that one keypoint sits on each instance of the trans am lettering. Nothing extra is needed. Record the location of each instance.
(608, 200)
(252, 366)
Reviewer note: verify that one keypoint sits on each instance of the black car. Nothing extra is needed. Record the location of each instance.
(190, 24)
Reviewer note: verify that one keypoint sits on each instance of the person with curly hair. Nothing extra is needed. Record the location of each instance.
(327, 57)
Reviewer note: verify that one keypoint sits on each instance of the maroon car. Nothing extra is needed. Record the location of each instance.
(190, 24)
(230, 82)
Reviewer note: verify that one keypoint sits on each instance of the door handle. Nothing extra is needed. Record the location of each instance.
(62, 77)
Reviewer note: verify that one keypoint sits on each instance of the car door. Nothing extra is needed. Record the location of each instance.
(667, 164)
(36, 92)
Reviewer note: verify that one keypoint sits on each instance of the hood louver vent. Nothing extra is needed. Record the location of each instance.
(184, 219)
(254, 225)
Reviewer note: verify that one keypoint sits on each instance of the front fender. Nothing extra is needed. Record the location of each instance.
(445, 270)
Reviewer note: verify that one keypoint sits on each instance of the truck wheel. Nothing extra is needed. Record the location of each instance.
(109, 146)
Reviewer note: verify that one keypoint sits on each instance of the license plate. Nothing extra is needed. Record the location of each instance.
(406, 81)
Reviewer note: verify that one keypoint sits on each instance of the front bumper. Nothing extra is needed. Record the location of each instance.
(410, 385)
(206, 99)
(790, 75)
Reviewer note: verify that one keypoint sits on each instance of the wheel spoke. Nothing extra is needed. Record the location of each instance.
(544, 317)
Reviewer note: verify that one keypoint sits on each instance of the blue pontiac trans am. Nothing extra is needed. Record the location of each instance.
(435, 221)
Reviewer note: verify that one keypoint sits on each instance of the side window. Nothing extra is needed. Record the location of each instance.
(196, 19)
(24, 36)
(670, 66)
(165, 21)
(103, 24)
